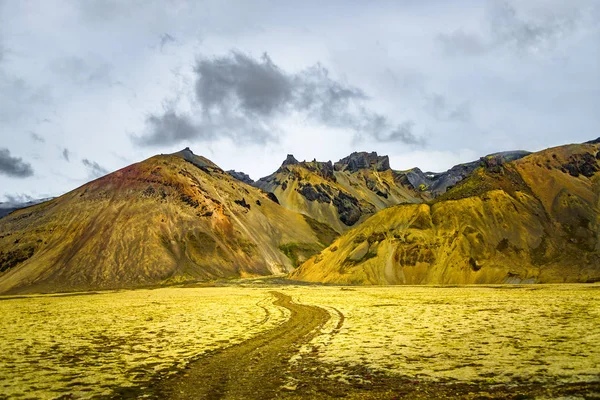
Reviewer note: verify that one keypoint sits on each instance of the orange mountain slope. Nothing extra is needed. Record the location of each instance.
(171, 218)
(535, 219)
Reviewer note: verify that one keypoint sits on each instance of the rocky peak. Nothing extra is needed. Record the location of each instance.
(240, 176)
(290, 160)
(203, 163)
(363, 160)
(324, 169)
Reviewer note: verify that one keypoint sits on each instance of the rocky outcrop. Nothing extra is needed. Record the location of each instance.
(437, 183)
(323, 169)
(240, 176)
(339, 195)
(363, 160)
(290, 160)
(199, 161)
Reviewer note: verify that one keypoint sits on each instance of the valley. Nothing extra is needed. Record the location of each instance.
(368, 342)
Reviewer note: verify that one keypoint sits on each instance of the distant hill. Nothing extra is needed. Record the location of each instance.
(510, 220)
(171, 218)
(8, 207)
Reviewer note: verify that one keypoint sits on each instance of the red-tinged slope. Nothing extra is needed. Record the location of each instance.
(171, 218)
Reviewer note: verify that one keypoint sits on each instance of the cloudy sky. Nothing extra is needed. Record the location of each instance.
(90, 86)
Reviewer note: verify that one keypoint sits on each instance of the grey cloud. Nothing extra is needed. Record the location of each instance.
(105, 10)
(66, 154)
(507, 27)
(165, 39)
(440, 108)
(18, 99)
(460, 42)
(404, 133)
(258, 87)
(37, 137)
(171, 127)
(327, 100)
(18, 198)
(95, 170)
(14, 166)
(241, 98)
(380, 128)
(83, 72)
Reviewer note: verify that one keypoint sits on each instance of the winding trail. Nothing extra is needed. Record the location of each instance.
(253, 369)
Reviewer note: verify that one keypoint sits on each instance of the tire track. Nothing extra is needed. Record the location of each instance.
(254, 369)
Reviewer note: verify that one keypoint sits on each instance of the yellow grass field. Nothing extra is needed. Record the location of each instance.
(91, 344)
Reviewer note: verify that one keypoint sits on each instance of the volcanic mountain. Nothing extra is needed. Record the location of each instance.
(171, 218)
(532, 219)
(343, 194)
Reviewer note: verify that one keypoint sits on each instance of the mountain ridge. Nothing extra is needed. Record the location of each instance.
(508, 217)
(530, 219)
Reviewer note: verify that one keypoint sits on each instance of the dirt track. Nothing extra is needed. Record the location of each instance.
(257, 368)
(254, 369)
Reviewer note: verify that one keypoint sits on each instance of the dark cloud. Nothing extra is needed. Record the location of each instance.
(36, 137)
(241, 98)
(252, 86)
(66, 154)
(171, 127)
(14, 166)
(95, 170)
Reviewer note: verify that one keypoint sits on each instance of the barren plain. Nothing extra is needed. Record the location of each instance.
(541, 341)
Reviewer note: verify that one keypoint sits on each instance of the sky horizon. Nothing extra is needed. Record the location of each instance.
(87, 88)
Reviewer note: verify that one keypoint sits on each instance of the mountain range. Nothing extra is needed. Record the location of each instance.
(10, 206)
(510, 217)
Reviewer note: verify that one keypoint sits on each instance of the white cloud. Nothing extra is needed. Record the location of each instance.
(470, 76)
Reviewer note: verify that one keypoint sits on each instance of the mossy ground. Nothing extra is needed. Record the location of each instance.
(469, 337)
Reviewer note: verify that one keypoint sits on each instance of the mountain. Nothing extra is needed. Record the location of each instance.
(168, 219)
(437, 183)
(8, 207)
(343, 194)
(511, 220)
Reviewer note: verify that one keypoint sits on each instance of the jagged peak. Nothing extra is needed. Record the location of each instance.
(322, 168)
(290, 160)
(363, 160)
